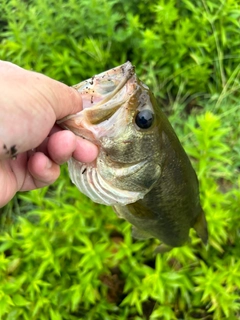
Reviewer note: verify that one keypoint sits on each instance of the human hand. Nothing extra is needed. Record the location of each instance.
(32, 146)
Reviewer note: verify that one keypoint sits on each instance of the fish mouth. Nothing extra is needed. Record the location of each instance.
(109, 101)
(101, 88)
(102, 96)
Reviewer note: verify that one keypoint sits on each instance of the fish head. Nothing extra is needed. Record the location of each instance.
(120, 117)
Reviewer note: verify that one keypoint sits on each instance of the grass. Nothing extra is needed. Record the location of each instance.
(64, 257)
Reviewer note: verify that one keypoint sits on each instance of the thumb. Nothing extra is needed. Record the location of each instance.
(30, 104)
(64, 100)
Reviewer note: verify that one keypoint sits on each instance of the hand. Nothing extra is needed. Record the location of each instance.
(32, 146)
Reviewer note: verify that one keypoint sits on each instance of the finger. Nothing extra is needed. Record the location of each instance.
(85, 151)
(28, 116)
(64, 144)
(63, 99)
(43, 147)
(55, 129)
(61, 145)
(67, 100)
(8, 183)
(42, 172)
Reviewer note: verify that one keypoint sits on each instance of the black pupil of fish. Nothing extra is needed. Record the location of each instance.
(144, 119)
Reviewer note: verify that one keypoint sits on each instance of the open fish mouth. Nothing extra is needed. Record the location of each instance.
(102, 95)
(141, 169)
(105, 116)
(101, 88)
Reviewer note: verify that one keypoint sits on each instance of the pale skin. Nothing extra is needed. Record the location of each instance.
(32, 146)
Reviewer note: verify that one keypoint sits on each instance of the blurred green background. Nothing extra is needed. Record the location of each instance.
(64, 257)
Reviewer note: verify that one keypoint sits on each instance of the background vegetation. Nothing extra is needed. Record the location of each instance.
(63, 257)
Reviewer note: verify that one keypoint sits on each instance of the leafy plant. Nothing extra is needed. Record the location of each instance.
(63, 257)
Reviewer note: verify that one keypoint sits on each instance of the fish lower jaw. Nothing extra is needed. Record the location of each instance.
(88, 180)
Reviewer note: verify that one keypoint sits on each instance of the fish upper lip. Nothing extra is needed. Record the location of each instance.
(130, 71)
(79, 123)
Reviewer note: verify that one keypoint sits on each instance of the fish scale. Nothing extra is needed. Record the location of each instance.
(142, 170)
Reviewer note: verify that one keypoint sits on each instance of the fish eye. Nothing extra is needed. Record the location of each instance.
(144, 119)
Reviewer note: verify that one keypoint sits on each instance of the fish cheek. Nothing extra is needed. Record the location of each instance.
(147, 176)
(138, 177)
(131, 147)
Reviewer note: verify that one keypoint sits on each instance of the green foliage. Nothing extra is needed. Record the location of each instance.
(63, 257)
(195, 45)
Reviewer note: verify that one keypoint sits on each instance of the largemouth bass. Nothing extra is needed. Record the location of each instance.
(142, 170)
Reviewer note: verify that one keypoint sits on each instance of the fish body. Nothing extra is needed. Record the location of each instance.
(142, 170)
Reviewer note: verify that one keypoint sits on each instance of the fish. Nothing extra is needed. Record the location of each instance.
(142, 170)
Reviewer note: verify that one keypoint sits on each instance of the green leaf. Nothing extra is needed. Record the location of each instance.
(19, 300)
